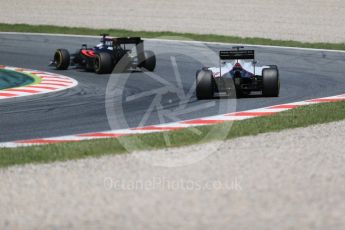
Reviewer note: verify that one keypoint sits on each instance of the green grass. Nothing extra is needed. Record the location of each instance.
(300, 117)
(168, 35)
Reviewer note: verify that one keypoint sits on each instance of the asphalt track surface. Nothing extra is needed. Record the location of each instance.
(305, 74)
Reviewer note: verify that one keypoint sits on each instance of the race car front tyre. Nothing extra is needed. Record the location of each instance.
(62, 59)
(103, 63)
(204, 85)
(150, 61)
(271, 82)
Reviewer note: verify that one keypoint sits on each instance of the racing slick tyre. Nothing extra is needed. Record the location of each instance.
(271, 83)
(62, 59)
(150, 61)
(204, 85)
(103, 63)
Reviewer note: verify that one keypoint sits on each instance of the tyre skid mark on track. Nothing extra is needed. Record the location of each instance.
(50, 82)
(217, 119)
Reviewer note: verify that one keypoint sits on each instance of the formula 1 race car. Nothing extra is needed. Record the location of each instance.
(237, 76)
(123, 53)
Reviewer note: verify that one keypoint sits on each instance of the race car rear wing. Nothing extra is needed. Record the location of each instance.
(137, 41)
(236, 54)
(125, 40)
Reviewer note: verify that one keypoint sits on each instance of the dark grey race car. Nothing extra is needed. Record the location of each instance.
(123, 53)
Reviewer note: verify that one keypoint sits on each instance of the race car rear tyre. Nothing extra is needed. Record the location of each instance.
(271, 82)
(103, 63)
(150, 61)
(62, 59)
(204, 85)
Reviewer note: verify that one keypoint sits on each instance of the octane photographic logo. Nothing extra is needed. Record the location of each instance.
(166, 95)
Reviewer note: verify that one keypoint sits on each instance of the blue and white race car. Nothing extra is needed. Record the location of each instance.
(238, 75)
